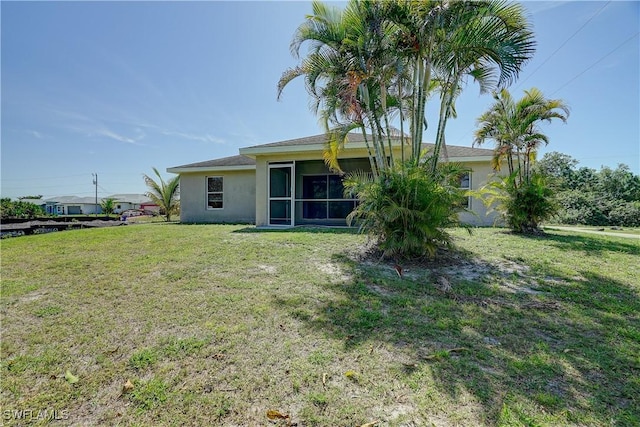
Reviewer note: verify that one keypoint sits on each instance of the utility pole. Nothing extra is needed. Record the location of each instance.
(95, 182)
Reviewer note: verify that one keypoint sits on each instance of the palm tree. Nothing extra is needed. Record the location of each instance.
(108, 206)
(376, 63)
(346, 77)
(522, 196)
(514, 126)
(164, 194)
(488, 41)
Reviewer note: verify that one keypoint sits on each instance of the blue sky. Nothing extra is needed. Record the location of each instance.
(116, 88)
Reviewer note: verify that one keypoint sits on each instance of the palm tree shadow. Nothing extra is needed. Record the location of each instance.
(595, 245)
(554, 350)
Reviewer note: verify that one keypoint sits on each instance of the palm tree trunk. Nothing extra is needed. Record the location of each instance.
(372, 161)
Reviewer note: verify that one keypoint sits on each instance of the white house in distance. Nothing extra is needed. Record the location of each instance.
(74, 205)
(125, 202)
(287, 183)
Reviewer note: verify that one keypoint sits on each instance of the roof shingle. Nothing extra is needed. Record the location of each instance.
(453, 151)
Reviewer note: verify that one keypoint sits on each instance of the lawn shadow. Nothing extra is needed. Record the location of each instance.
(317, 229)
(569, 352)
(591, 245)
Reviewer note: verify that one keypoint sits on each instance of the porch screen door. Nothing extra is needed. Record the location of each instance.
(281, 194)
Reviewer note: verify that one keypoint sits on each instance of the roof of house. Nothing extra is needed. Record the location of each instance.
(309, 143)
(73, 200)
(238, 162)
(134, 198)
(123, 198)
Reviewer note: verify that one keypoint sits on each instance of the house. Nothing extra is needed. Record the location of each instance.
(125, 202)
(73, 205)
(287, 183)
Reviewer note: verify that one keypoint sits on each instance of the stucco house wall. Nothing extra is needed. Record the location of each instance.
(239, 197)
(247, 179)
(481, 173)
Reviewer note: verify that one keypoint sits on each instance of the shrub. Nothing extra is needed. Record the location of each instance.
(19, 209)
(408, 208)
(523, 206)
(627, 214)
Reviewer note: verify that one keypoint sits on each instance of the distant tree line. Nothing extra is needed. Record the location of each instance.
(19, 209)
(586, 196)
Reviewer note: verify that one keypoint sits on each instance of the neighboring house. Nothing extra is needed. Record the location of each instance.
(287, 183)
(125, 202)
(74, 205)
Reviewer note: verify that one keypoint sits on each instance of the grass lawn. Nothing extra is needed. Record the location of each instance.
(167, 324)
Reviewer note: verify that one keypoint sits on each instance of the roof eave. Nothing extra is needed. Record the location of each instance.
(470, 159)
(292, 149)
(179, 170)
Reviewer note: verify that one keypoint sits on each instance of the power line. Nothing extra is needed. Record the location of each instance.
(563, 44)
(596, 63)
(45, 178)
(49, 178)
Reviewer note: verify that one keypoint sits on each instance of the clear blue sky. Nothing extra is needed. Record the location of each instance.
(119, 87)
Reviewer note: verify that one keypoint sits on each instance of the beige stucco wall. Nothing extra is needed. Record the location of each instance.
(239, 197)
(480, 173)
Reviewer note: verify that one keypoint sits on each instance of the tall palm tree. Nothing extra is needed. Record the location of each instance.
(523, 197)
(514, 126)
(345, 75)
(376, 63)
(488, 41)
(164, 194)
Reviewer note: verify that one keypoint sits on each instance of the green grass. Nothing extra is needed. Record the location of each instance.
(219, 324)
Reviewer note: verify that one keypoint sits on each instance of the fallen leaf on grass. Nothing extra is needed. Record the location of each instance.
(275, 415)
(398, 269)
(70, 377)
(127, 387)
(371, 424)
(353, 376)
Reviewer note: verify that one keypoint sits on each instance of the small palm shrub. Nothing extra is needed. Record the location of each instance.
(522, 205)
(407, 208)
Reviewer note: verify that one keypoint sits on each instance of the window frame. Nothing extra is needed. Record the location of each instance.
(468, 173)
(327, 200)
(207, 193)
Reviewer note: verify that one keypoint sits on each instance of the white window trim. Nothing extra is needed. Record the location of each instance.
(207, 192)
(469, 198)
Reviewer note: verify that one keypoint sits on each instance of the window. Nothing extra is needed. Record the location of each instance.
(465, 184)
(214, 192)
(323, 198)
